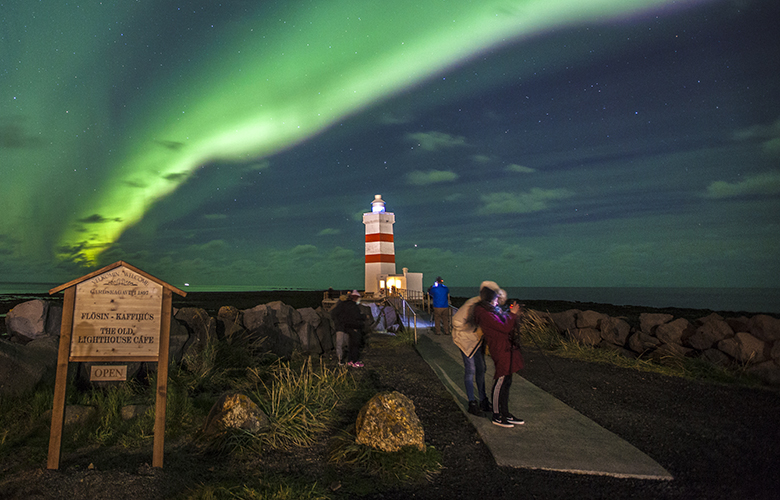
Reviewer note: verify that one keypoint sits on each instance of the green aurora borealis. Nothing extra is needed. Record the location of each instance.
(236, 143)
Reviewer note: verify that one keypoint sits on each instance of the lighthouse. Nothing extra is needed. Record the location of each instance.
(380, 249)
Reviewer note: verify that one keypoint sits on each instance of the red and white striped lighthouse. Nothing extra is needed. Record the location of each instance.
(380, 249)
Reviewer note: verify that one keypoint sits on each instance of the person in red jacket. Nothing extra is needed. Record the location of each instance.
(498, 328)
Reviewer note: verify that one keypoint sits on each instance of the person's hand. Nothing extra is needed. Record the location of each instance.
(514, 308)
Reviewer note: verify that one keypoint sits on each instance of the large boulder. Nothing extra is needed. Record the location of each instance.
(713, 329)
(615, 330)
(261, 324)
(27, 321)
(230, 322)
(765, 327)
(565, 321)
(648, 322)
(22, 367)
(285, 315)
(388, 422)
(307, 331)
(672, 333)
(201, 326)
(325, 331)
(257, 318)
(179, 340)
(641, 342)
(201, 329)
(284, 336)
(590, 319)
(235, 412)
(53, 320)
(745, 348)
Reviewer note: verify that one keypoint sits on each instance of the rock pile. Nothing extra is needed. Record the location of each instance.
(34, 327)
(753, 343)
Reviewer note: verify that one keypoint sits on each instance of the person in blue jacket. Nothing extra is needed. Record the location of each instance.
(441, 306)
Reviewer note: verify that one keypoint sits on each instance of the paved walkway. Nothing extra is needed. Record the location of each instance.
(554, 437)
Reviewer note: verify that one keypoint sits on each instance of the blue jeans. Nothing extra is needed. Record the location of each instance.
(475, 368)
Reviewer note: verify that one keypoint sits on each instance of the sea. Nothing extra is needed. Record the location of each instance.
(752, 300)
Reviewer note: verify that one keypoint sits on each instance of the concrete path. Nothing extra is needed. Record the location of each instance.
(554, 437)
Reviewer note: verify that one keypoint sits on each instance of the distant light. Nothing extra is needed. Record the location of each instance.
(186, 284)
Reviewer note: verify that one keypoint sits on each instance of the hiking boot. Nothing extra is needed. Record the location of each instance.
(514, 420)
(501, 421)
(358, 364)
(474, 408)
(486, 406)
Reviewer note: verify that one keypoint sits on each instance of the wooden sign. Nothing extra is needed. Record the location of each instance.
(118, 313)
(117, 316)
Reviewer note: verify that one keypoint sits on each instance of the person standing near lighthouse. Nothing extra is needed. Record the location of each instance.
(441, 306)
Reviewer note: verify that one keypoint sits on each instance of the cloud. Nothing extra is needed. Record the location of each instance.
(419, 178)
(303, 250)
(772, 146)
(534, 200)
(764, 184)
(759, 132)
(769, 135)
(329, 231)
(434, 141)
(481, 158)
(513, 167)
(215, 216)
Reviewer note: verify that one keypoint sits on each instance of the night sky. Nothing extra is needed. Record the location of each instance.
(535, 143)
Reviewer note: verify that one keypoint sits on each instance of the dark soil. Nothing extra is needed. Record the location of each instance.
(718, 441)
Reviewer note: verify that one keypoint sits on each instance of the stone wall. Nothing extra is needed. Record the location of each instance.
(753, 343)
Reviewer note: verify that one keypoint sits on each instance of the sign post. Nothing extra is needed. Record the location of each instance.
(118, 313)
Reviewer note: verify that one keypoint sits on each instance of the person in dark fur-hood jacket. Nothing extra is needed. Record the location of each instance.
(498, 328)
